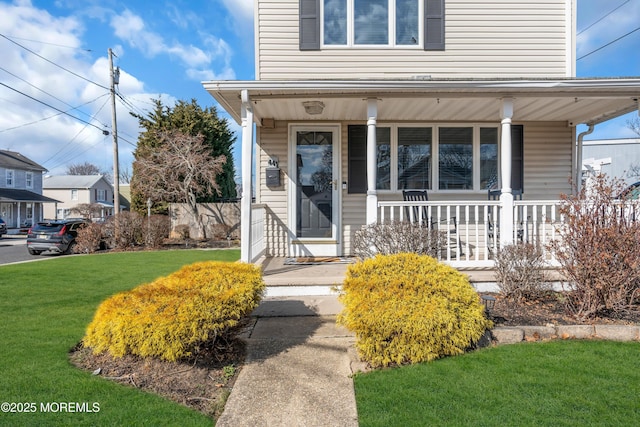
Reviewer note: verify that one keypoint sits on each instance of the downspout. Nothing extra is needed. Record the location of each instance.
(578, 176)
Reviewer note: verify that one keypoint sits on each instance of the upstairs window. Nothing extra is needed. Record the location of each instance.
(29, 179)
(101, 195)
(10, 178)
(372, 23)
(74, 194)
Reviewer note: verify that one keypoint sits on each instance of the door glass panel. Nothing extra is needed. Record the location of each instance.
(314, 198)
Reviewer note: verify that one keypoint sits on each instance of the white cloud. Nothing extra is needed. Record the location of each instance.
(132, 29)
(242, 12)
(40, 132)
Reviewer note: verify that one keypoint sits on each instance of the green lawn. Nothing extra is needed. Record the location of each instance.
(561, 383)
(44, 309)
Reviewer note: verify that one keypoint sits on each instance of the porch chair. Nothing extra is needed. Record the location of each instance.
(423, 196)
(493, 230)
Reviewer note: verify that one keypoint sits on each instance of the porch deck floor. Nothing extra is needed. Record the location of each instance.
(276, 273)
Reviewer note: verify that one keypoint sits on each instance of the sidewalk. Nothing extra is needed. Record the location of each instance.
(298, 368)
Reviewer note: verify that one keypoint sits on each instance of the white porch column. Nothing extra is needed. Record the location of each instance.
(247, 187)
(19, 223)
(372, 194)
(506, 197)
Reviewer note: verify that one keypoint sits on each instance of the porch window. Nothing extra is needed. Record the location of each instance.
(412, 157)
(488, 158)
(455, 158)
(29, 213)
(384, 23)
(383, 176)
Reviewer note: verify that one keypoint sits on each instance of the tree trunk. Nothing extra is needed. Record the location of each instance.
(193, 205)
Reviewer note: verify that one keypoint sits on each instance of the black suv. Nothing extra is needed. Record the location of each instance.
(3, 227)
(57, 235)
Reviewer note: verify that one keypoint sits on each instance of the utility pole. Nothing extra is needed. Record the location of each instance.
(115, 79)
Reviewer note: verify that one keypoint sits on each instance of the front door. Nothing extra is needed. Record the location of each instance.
(314, 199)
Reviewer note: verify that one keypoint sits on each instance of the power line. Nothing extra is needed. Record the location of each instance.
(51, 106)
(76, 135)
(585, 29)
(51, 95)
(51, 44)
(608, 44)
(53, 63)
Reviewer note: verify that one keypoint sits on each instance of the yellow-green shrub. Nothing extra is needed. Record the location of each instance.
(170, 317)
(408, 308)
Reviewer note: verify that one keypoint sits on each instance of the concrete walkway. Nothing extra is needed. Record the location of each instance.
(298, 368)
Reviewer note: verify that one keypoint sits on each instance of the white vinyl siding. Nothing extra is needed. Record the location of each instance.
(547, 168)
(547, 160)
(274, 142)
(498, 38)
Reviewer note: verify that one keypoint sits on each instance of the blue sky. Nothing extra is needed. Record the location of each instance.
(164, 50)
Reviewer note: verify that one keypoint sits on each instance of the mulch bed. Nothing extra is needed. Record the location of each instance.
(202, 383)
(549, 310)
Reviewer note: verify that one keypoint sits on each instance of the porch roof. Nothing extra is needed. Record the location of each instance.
(15, 195)
(576, 100)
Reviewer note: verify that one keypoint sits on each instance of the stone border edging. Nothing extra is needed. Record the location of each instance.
(516, 334)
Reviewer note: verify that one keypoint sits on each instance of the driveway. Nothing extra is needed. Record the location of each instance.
(13, 248)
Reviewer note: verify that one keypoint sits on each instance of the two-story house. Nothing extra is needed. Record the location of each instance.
(21, 197)
(355, 101)
(74, 190)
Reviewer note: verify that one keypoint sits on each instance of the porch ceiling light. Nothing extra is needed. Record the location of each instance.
(313, 107)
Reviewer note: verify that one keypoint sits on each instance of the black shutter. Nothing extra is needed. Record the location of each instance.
(357, 161)
(309, 24)
(434, 25)
(517, 157)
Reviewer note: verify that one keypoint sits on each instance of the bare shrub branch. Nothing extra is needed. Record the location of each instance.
(599, 250)
(520, 273)
(398, 236)
(180, 169)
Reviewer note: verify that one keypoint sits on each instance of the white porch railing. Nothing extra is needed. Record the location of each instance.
(472, 227)
(258, 241)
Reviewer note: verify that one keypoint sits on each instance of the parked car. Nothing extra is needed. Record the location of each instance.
(54, 235)
(3, 227)
(632, 192)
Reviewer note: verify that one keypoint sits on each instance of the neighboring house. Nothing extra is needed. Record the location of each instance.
(451, 96)
(74, 190)
(21, 198)
(617, 158)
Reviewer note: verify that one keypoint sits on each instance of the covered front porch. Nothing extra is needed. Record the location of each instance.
(22, 208)
(300, 122)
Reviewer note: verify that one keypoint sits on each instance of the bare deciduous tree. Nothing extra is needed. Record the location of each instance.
(180, 170)
(86, 168)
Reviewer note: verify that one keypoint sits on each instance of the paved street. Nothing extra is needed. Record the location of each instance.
(13, 248)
